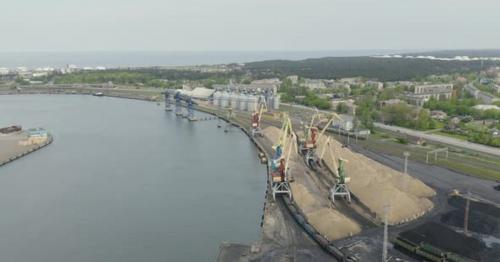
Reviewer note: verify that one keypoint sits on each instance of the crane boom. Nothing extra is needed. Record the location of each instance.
(256, 119)
(286, 128)
(334, 116)
(290, 149)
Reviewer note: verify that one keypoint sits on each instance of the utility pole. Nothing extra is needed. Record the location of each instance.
(406, 178)
(466, 215)
(384, 244)
(406, 155)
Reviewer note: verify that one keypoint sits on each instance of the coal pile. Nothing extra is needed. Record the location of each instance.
(485, 208)
(445, 238)
(478, 221)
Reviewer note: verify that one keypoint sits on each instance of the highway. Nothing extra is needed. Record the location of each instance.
(442, 139)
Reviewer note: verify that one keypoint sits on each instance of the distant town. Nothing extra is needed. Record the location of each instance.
(461, 105)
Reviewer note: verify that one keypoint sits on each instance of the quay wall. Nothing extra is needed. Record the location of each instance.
(50, 139)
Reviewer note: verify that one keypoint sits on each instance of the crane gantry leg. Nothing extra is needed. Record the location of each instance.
(340, 188)
(190, 109)
(178, 105)
(168, 102)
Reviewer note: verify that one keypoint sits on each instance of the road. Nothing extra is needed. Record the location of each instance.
(442, 139)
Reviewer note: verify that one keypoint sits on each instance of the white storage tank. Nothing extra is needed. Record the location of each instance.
(276, 102)
(252, 103)
(243, 102)
(234, 100)
(216, 100)
(224, 100)
(270, 101)
(238, 101)
(262, 100)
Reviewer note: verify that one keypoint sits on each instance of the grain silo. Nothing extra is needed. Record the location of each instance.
(252, 103)
(233, 97)
(243, 102)
(216, 99)
(276, 102)
(224, 99)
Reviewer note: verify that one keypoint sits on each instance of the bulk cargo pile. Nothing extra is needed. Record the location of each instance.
(378, 186)
(313, 202)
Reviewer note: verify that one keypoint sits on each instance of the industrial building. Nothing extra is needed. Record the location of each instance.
(480, 95)
(246, 97)
(201, 93)
(245, 102)
(250, 88)
(424, 93)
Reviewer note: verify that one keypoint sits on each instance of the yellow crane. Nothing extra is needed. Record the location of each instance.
(280, 175)
(340, 187)
(256, 120)
(333, 117)
(309, 145)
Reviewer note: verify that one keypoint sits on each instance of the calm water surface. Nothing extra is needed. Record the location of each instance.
(125, 181)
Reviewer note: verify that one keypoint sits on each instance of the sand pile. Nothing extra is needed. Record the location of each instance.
(315, 206)
(328, 221)
(376, 186)
(332, 224)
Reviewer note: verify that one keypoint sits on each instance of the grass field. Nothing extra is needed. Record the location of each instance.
(459, 160)
(461, 137)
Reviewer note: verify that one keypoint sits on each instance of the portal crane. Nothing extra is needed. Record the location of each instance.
(312, 136)
(340, 187)
(256, 119)
(280, 175)
(308, 144)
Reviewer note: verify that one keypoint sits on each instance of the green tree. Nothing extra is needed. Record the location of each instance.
(424, 120)
(366, 111)
(397, 114)
(342, 108)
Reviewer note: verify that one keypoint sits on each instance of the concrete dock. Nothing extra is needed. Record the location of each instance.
(15, 145)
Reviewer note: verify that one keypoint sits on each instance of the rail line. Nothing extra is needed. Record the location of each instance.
(293, 210)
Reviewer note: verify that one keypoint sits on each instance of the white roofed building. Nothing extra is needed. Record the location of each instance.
(486, 107)
(199, 93)
(273, 81)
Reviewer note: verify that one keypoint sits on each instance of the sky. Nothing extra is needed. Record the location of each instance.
(247, 25)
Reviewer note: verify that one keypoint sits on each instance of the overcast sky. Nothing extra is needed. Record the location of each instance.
(201, 25)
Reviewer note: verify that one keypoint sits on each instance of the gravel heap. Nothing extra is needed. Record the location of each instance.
(377, 186)
(314, 204)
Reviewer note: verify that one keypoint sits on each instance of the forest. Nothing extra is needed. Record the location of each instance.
(383, 69)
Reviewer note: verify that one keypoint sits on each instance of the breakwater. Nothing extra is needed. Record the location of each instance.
(28, 151)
